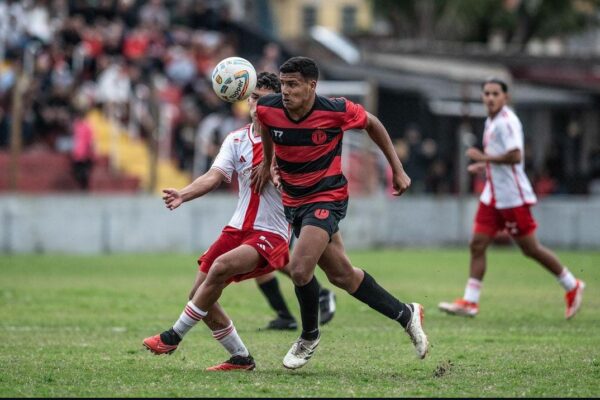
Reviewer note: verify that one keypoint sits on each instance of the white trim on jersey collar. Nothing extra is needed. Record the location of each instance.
(253, 139)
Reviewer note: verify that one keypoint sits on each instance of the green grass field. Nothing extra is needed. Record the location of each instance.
(73, 326)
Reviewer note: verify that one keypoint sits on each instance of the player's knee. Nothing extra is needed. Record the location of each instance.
(477, 247)
(341, 281)
(220, 271)
(301, 276)
(343, 278)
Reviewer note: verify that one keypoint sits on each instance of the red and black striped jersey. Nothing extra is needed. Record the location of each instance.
(309, 151)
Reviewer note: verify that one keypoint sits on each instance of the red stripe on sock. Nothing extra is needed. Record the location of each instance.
(192, 314)
(222, 334)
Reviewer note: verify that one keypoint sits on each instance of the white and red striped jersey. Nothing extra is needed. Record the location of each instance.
(240, 152)
(507, 185)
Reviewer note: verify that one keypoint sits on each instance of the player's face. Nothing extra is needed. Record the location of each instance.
(493, 97)
(296, 90)
(253, 99)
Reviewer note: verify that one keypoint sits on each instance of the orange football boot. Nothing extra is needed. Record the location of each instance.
(157, 346)
(235, 363)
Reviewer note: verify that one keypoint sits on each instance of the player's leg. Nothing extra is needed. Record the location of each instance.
(531, 247)
(478, 255)
(487, 222)
(222, 329)
(240, 260)
(327, 300)
(224, 332)
(357, 282)
(308, 249)
(269, 286)
(468, 305)
(310, 245)
(167, 341)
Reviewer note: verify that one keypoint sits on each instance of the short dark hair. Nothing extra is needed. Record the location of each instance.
(268, 80)
(304, 65)
(497, 81)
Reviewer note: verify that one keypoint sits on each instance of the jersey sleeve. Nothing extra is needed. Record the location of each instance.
(355, 117)
(262, 111)
(510, 135)
(225, 160)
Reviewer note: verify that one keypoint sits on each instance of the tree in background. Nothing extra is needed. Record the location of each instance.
(517, 21)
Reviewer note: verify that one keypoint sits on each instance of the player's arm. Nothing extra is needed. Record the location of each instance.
(380, 136)
(510, 157)
(477, 167)
(508, 136)
(261, 174)
(199, 187)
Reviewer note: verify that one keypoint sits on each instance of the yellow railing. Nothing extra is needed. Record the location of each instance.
(132, 156)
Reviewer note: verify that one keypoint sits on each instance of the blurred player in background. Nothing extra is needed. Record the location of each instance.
(253, 244)
(304, 131)
(505, 204)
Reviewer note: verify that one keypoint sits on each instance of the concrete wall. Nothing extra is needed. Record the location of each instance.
(109, 224)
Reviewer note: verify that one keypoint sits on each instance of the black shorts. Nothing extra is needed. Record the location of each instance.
(326, 215)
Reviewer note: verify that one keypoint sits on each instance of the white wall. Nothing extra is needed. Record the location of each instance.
(107, 224)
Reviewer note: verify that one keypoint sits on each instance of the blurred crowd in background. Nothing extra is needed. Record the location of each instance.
(106, 53)
(138, 61)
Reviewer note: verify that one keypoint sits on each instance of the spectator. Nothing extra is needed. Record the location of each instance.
(415, 167)
(114, 84)
(271, 59)
(82, 154)
(185, 135)
(154, 15)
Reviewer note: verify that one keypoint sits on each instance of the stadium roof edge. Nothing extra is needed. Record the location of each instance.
(452, 86)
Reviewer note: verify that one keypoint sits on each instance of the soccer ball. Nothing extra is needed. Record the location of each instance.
(233, 79)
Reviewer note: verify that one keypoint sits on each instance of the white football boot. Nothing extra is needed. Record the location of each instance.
(302, 350)
(416, 332)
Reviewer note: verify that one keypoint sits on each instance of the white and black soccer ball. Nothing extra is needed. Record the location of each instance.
(233, 79)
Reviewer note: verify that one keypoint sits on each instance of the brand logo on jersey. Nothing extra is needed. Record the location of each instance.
(319, 137)
(277, 134)
(321, 213)
(242, 159)
(262, 246)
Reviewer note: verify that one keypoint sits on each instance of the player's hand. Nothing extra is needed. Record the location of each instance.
(260, 177)
(400, 182)
(275, 176)
(475, 154)
(476, 168)
(172, 198)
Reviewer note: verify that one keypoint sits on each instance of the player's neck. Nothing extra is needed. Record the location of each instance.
(253, 131)
(305, 109)
(492, 115)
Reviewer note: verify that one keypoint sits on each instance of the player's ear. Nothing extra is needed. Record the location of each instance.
(313, 84)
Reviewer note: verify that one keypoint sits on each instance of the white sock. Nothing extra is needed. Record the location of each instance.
(472, 290)
(567, 280)
(188, 319)
(232, 342)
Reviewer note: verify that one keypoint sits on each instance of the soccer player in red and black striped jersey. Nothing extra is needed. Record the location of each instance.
(302, 137)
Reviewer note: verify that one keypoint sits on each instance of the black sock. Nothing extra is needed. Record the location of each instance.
(308, 297)
(379, 299)
(170, 337)
(319, 286)
(271, 291)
